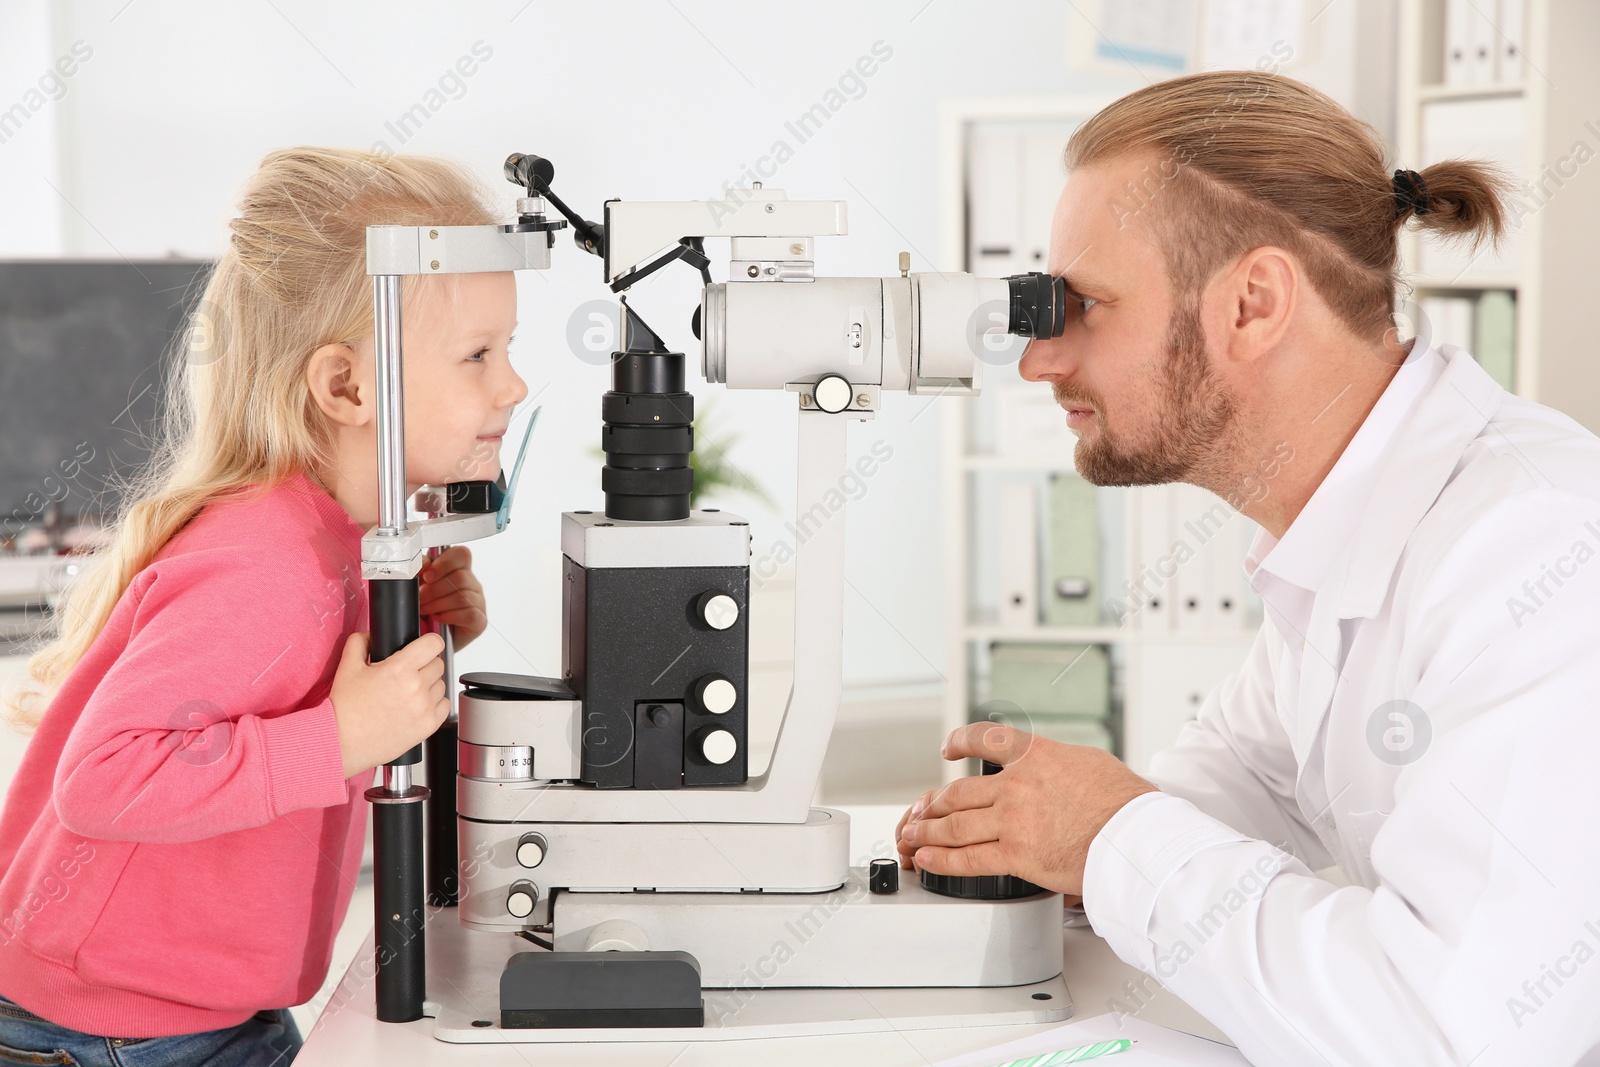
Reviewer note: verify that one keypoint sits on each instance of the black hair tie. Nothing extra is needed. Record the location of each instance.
(1410, 193)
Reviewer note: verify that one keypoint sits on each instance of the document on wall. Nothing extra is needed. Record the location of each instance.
(1153, 1046)
(1156, 34)
(1251, 34)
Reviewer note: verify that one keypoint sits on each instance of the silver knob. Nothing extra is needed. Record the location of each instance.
(718, 695)
(521, 898)
(718, 746)
(718, 610)
(833, 394)
(531, 849)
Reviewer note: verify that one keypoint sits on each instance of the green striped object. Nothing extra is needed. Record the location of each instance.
(1072, 1055)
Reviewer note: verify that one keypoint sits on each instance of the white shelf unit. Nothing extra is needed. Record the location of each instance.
(1159, 673)
(1557, 260)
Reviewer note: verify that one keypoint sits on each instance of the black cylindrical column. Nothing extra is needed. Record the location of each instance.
(397, 888)
(443, 862)
(649, 429)
(394, 621)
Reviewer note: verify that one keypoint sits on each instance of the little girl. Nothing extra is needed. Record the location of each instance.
(182, 840)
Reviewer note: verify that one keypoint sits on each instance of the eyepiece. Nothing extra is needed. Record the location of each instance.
(1038, 305)
(529, 171)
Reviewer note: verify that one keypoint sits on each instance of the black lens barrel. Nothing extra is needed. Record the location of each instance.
(649, 430)
(1038, 305)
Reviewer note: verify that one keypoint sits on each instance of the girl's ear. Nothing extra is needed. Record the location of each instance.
(332, 376)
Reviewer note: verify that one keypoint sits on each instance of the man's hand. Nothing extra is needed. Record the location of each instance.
(1035, 819)
(452, 594)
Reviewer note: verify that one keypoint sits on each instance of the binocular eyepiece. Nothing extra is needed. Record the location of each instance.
(1038, 305)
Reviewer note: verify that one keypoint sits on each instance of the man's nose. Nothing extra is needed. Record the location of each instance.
(1045, 359)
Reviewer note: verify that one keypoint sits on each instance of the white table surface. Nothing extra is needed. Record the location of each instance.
(348, 1032)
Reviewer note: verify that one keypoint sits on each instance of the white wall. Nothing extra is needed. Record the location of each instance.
(641, 100)
(32, 92)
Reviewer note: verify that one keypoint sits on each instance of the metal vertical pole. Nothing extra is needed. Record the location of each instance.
(397, 845)
(391, 405)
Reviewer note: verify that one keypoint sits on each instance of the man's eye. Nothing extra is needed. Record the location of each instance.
(1085, 303)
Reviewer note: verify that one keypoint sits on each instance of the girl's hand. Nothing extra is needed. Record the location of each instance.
(452, 594)
(382, 709)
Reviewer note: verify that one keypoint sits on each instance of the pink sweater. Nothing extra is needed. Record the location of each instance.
(180, 844)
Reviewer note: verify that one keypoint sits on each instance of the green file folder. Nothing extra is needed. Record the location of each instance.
(1072, 578)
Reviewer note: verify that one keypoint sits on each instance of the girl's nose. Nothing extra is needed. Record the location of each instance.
(519, 389)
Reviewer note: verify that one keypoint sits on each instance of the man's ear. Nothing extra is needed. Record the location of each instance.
(1258, 299)
(333, 376)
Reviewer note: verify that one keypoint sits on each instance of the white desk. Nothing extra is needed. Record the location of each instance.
(348, 1031)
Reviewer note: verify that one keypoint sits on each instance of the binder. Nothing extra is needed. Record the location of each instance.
(1511, 25)
(1495, 336)
(1212, 587)
(1457, 42)
(993, 211)
(1449, 320)
(1148, 596)
(1197, 526)
(1072, 593)
(1483, 44)
(1050, 680)
(1019, 555)
(1044, 174)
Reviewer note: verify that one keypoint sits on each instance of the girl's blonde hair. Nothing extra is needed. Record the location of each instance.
(237, 409)
(1244, 159)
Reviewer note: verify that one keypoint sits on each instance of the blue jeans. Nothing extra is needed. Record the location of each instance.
(268, 1039)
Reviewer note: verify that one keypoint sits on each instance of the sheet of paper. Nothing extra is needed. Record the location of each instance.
(1251, 34)
(1153, 1046)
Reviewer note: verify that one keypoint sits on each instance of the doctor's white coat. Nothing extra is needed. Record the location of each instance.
(1424, 713)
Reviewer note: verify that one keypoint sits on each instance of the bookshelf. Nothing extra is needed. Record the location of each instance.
(1551, 273)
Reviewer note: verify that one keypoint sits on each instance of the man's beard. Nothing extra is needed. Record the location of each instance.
(1193, 413)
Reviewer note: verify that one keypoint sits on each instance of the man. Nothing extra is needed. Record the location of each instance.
(1422, 704)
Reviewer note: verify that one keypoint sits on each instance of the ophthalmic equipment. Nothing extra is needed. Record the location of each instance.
(616, 871)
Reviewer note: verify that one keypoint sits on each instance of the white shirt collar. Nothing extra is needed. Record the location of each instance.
(1307, 551)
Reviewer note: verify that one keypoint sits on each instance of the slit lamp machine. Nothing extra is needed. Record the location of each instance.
(598, 862)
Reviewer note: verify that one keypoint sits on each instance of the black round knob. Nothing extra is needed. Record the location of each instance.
(981, 886)
(883, 876)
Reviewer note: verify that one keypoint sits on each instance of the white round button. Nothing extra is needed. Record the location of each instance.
(520, 901)
(530, 851)
(833, 394)
(720, 611)
(719, 696)
(718, 747)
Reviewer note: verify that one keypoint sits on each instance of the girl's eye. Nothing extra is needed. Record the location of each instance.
(479, 354)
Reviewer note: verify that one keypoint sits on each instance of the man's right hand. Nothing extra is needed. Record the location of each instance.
(384, 709)
(907, 851)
